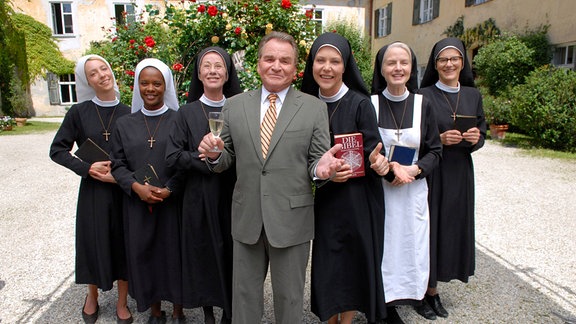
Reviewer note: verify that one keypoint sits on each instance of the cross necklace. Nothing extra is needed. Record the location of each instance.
(106, 133)
(453, 110)
(152, 140)
(398, 132)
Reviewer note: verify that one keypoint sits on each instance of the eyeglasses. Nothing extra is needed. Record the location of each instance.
(444, 60)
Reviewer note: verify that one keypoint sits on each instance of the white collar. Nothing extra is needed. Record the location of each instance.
(394, 98)
(103, 103)
(212, 103)
(341, 93)
(157, 112)
(447, 88)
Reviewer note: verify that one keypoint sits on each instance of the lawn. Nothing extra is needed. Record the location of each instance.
(32, 127)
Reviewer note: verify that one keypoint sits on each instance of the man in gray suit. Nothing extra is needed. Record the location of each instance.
(272, 208)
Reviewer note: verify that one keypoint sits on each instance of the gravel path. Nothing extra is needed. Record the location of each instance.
(525, 238)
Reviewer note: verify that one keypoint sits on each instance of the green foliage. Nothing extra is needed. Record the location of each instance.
(545, 107)
(42, 51)
(503, 64)
(360, 48)
(19, 99)
(12, 53)
(456, 30)
(481, 34)
(237, 26)
(187, 27)
(127, 44)
(496, 109)
(537, 40)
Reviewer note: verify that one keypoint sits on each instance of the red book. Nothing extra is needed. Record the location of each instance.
(352, 152)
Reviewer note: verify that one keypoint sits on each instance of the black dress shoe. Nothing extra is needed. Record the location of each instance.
(124, 320)
(90, 318)
(392, 316)
(425, 311)
(157, 319)
(436, 305)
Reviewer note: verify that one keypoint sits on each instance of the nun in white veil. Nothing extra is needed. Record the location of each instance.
(151, 212)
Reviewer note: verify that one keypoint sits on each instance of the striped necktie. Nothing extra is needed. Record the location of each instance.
(267, 126)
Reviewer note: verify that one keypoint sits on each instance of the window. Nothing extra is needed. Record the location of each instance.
(124, 13)
(316, 15)
(425, 10)
(62, 89)
(62, 18)
(470, 3)
(383, 21)
(565, 56)
(67, 89)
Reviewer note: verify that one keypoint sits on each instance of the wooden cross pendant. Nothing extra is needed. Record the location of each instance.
(106, 134)
(151, 141)
(454, 116)
(398, 133)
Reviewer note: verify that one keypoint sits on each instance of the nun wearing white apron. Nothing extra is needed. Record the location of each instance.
(404, 119)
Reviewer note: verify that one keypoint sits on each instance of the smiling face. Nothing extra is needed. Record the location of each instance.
(212, 72)
(99, 77)
(327, 70)
(396, 68)
(152, 87)
(449, 63)
(277, 65)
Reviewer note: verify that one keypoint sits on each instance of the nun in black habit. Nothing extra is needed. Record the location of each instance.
(100, 256)
(152, 214)
(349, 212)
(405, 119)
(206, 208)
(449, 85)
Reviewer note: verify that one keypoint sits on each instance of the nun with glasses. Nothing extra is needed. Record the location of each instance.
(449, 85)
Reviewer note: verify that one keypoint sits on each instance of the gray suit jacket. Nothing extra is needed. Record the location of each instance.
(275, 193)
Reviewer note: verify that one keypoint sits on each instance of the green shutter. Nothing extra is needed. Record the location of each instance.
(436, 9)
(416, 13)
(389, 21)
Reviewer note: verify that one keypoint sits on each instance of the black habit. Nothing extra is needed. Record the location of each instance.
(451, 185)
(100, 256)
(152, 231)
(349, 225)
(206, 214)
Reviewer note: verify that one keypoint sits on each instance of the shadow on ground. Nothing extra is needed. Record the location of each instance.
(496, 294)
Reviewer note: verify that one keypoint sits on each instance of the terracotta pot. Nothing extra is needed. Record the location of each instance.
(20, 121)
(498, 131)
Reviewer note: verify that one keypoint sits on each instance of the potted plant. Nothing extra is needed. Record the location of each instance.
(6, 123)
(19, 101)
(497, 114)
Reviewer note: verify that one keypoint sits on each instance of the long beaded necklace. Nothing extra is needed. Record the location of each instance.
(453, 110)
(152, 140)
(398, 132)
(106, 133)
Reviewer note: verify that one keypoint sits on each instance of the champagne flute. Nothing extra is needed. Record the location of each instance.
(216, 124)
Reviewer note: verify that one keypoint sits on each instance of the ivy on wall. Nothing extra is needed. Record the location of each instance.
(42, 51)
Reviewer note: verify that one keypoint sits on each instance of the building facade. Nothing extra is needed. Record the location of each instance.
(421, 23)
(76, 23)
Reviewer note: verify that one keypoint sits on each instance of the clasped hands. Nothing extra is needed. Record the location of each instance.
(102, 171)
(150, 194)
(453, 136)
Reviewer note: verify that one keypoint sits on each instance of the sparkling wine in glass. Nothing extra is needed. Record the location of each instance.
(216, 123)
